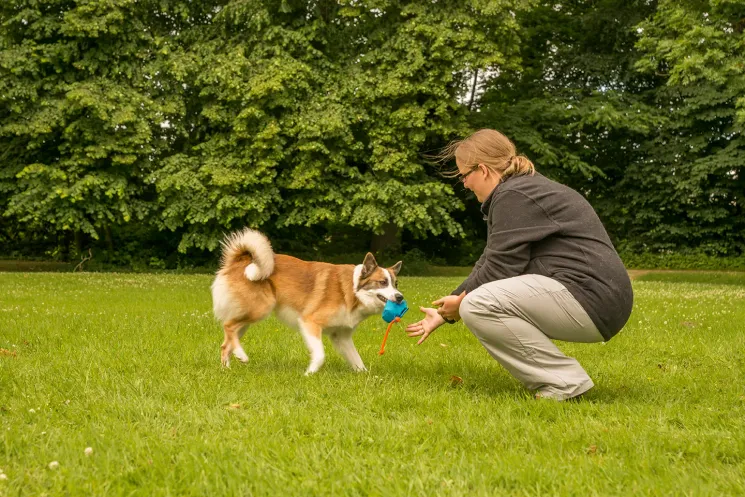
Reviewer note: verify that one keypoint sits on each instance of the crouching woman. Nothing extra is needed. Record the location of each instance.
(548, 271)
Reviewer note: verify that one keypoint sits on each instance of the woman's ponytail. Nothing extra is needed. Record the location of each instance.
(518, 165)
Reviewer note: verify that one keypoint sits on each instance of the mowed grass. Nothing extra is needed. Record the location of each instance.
(129, 365)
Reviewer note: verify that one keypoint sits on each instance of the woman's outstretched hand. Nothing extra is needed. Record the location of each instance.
(423, 328)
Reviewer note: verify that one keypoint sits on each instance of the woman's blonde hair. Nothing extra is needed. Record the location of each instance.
(490, 148)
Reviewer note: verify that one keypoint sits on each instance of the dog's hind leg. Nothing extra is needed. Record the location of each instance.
(232, 344)
(312, 335)
(343, 343)
(238, 351)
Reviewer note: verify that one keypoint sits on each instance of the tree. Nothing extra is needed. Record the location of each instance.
(316, 114)
(80, 112)
(688, 190)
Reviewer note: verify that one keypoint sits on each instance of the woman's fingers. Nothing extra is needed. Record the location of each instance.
(415, 326)
(415, 329)
(425, 327)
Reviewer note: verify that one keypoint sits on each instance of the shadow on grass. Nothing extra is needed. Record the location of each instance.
(485, 380)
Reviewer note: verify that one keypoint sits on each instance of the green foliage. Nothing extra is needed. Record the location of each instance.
(635, 105)
(316, 115)
(79, 113)
(687, 186)
(703, 261)
(578, 107)
(575, 99)
(145, 127)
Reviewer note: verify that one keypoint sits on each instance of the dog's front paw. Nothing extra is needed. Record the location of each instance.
(240, 354)
(312, 369)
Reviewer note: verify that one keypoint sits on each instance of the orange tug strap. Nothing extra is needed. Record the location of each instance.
(385, 337)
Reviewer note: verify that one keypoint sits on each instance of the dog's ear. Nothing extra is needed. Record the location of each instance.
(396, 267)
(369, 265)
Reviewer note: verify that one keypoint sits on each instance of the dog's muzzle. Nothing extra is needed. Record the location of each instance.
(398, 298)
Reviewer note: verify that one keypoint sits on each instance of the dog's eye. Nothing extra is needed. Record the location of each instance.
(383, 283)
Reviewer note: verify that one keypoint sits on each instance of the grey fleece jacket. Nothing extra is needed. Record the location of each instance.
(538, 226)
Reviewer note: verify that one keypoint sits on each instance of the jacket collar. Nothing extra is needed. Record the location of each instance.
(490, 198)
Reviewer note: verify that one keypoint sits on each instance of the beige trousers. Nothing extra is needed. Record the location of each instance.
(515, 320)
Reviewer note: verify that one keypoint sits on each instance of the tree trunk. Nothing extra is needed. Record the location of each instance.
(109, 242)
(473, 89)
(78, 243)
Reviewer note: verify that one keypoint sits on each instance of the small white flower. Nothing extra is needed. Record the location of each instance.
(3, 476)
(88, 451)
(32, 411)
(53, 465)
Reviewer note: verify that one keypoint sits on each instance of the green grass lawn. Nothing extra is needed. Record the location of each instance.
(128, 364)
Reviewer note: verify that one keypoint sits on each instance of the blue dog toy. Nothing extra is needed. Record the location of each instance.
(393, 310)
(392, 313)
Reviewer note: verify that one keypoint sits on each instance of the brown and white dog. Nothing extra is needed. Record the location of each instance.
(314, 297)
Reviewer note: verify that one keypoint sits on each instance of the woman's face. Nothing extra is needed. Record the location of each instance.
(479, 179)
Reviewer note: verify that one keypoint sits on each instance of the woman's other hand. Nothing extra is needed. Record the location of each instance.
(426, 326)
(449, 307)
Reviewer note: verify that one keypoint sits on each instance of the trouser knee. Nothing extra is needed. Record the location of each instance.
(477, 309)
(467, 309)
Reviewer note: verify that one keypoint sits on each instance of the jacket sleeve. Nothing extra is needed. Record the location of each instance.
(475, 269)
(516, 221)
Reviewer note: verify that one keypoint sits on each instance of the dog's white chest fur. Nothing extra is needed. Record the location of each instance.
(342, 318)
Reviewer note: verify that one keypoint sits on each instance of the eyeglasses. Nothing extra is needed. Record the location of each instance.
(462, 177)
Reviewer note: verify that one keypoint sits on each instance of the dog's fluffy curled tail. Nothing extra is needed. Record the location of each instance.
(256, 245)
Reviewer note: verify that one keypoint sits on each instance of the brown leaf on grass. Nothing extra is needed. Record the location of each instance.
(234, 406)
(429, 421)
(8, 353)
(592, 449)
(456, 381)
(688, 324)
